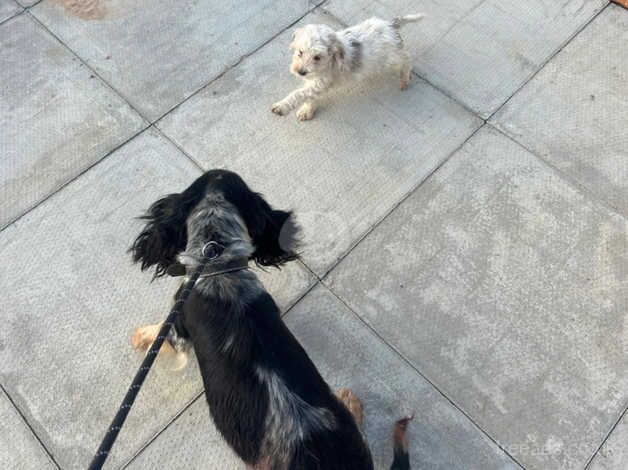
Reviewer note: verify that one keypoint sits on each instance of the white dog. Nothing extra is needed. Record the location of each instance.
(324, 57)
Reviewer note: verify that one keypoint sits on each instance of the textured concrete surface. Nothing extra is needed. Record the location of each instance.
(441, 437)
(8, 8)
(476, 277)
(614, 454)
(157, 53)
(480, 52)
(57, 119)
(342, 171)
(574, 112)
(514, 287)
(19, 448)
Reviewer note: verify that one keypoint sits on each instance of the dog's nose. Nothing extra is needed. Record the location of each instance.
(302, 72)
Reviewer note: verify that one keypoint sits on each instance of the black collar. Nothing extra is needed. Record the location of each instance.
(211, 251)
(216, 267)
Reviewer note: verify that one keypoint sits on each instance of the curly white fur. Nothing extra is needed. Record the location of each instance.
(324, 57)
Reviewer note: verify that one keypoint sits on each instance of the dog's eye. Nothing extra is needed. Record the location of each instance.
(317, 57)
(300, 53)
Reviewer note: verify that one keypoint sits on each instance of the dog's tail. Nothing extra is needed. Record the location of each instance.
(399, 21)
(401, 458)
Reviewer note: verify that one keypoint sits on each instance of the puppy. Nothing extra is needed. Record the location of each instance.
(324, 57)
(264, 393)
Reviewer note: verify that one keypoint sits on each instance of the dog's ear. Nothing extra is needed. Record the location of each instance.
(293, 38)
(336, 51)
(273, 232)
(163, 236)
(277, 239)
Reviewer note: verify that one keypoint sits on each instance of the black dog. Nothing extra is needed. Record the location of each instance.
(265, 395)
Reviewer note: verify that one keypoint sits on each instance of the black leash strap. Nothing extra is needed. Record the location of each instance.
(210, 251)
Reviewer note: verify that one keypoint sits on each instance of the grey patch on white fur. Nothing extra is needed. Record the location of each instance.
(356, 55)
(290, 419)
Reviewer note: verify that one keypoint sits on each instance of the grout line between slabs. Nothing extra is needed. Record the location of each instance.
(597, 451)
(152, 439)
(394, 207)
(30, 428)
(78, 175)
(398, 354)
(240, 60)
(178, 147)
(577, 186)
(31, 6)
(88, 67)
(149, 123)
(549, 59)
(14, 15)
(21, 12)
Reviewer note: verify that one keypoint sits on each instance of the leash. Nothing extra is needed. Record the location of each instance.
(210, 251)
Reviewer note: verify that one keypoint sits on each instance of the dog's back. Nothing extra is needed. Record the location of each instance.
(265, 395)
(380, 44)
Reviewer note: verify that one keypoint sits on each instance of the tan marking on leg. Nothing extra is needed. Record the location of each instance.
(353, 404)
(144, 336)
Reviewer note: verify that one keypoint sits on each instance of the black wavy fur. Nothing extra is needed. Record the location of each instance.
(273, 231)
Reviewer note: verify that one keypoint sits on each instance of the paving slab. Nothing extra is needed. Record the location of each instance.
(348, 354)
(480, 52)
(342, 171)
(8, 8)
(56, 118)
(191, 442)
(614, 453)
(157, 53)
(75, 299)
(574, 113)
(506, 287)
(18, 446)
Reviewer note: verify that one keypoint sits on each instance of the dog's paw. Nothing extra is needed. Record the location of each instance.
(404, 85)
(280, 108)
(144, 336)
(305, 113)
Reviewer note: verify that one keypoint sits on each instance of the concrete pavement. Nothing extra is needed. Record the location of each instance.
(465, 242)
